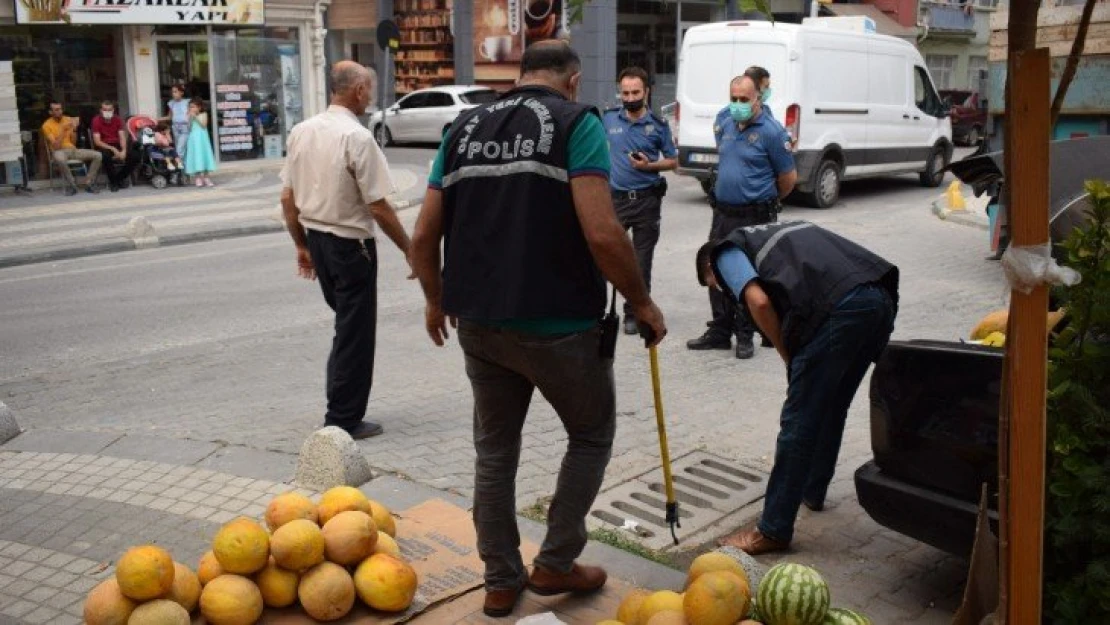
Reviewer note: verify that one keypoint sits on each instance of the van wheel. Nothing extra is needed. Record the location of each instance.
(826, 185)
(934, 168)
(382, 134)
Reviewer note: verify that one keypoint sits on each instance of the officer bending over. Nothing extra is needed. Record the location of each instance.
(640, 147)
(756, 171)
(828, 305)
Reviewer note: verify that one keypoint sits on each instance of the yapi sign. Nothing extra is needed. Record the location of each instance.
(229, 12)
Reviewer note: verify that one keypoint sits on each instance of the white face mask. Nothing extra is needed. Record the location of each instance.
(107, 114)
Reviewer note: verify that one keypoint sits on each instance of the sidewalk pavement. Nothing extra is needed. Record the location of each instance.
(75, 502)
(49, 226)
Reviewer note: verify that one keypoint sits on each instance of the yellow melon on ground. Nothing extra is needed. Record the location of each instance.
(145, 572)
(160, 612)
(386, 583)
(383, 518)
(208, 568)
(106, 605)
(242, 547)
(186, 587)
(659, 601)
(668, 617)
(387, 545)
(717, 598)
(609, 622)
(349, 537)
(341, 499)
(231, 600)
(326, 591)
(277, 585)
(298, 545)
(629, 610)
(714, 561)
(287, 507)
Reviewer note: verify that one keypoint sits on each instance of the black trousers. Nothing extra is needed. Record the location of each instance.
(642, 216)
(117, 171)
(729, 317)
(347, 270)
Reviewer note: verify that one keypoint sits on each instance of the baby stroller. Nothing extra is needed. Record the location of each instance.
(153, 166)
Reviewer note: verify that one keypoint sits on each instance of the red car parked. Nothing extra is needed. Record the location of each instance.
(968, 117)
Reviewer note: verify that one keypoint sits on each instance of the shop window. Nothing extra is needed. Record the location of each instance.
(257, 95)
(76, 66)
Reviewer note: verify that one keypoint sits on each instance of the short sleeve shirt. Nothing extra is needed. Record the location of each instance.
(736, 270)
(752, 157)
(336, 170)
(54, 129)
(108, 130)
(648, 134)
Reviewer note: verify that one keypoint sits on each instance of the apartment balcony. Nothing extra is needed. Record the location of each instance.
(955, 20)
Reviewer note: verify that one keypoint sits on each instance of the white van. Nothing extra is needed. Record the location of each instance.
(858, 104)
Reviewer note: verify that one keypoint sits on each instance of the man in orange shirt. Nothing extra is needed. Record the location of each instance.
(61, 139)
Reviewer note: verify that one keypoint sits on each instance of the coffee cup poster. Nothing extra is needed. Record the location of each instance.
(240, 12)
(504, 28)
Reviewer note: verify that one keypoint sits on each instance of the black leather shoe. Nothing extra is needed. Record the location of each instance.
(71, 190)
(744, 347)
(366, 429)
(709, 340)
(630, 325)
(92, 188)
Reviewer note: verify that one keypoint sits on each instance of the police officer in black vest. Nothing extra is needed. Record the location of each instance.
(519, 193)
(828, 305)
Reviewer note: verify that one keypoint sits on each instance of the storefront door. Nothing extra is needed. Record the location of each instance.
(183, 62)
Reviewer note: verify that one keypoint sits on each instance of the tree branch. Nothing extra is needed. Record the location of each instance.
(1073, 60)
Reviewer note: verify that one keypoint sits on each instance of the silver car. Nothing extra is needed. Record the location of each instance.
(424, 115)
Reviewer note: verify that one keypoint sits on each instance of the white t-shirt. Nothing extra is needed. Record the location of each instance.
(336, 170)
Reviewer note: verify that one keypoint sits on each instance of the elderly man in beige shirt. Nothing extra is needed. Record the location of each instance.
(335, 185)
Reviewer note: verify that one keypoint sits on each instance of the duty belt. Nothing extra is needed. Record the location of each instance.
(767, 210)
(636, 194)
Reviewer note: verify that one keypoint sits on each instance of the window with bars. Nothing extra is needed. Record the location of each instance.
(976, 68)
(942, 68)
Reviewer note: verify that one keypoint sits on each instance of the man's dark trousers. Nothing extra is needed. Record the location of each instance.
(728, 317)
(643, 216)
(823, 377)
(117, 171)
(348, 273)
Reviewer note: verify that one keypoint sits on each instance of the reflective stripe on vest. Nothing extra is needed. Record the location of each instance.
(507, 169)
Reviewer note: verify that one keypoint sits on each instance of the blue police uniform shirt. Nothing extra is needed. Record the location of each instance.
(751, 159)
(649, 134)
(736, 270)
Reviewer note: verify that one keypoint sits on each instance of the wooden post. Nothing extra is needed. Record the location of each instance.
(1027, 346)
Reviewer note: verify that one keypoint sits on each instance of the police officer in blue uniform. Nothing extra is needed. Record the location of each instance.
(762, 79)
(640, 147)
(756, 170)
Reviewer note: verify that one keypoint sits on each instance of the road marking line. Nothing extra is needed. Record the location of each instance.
(59, 224)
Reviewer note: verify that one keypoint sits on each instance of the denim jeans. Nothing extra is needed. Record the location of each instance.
(823, 378)
(505, 368)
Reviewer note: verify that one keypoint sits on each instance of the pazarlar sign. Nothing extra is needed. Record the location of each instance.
(181, 12)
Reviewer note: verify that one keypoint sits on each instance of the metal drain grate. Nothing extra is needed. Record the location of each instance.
(707, 488)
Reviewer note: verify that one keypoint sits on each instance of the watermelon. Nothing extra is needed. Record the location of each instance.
(841, 616)
(793, 594)
(753, 612)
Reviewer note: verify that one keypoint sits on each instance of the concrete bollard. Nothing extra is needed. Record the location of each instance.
(9, 429)
(141, 232)
(330, 457)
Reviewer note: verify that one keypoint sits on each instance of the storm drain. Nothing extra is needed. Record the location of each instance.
(706, 487)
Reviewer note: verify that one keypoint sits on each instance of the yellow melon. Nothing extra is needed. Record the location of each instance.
(383, 518)
(717, 598)
(349, 537)
(386, 583)
(387, 545)
(629, 610)
(186, 587)
(996, 322)
(609, 622)
(277, 585)
(208, 568)
(326, 591)
(231, 600)
(160, 612)
(341, 499)
(659, 601)
(106, 605)
(668, 617)
(298, 545)
(145, 572)
(714, 561)
(242, 547)
(287, 507)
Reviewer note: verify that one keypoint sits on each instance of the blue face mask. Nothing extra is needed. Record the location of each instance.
(740, 111)
(766, 95)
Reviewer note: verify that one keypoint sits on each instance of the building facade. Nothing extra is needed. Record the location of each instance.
(257, 64)
(955, 40)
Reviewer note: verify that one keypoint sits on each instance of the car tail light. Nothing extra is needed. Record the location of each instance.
(677, 119)
(794, 121)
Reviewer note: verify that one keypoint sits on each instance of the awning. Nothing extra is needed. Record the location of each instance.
(884, 24)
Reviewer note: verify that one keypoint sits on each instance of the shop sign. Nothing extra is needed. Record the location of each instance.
(188, 12)
(233, 121)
